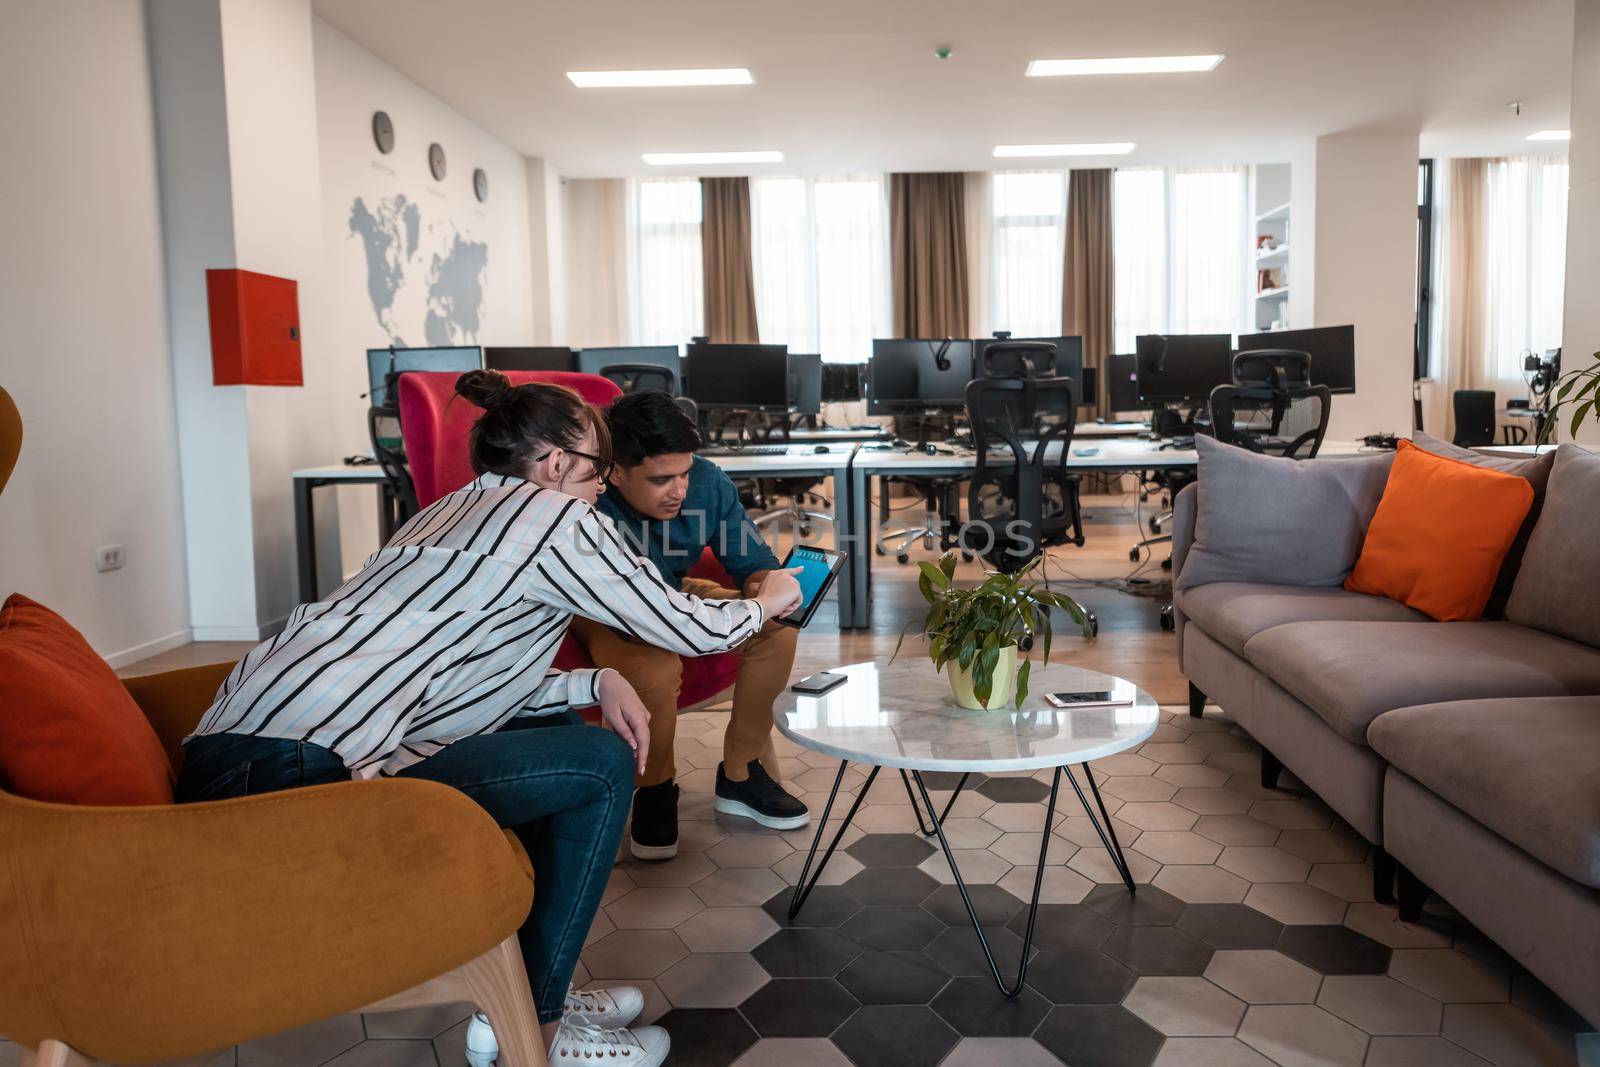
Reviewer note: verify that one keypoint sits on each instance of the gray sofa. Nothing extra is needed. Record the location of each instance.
(1467, 753)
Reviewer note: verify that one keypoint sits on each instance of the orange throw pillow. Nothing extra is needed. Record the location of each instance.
(69, 731)
(1440, 533)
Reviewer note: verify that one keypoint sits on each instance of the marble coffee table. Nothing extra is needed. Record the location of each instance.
(902, 716)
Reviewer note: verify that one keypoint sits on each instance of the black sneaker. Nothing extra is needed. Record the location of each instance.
(759, 798)
(655, 822)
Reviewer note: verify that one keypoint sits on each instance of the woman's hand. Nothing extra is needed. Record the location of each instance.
(622, 709)
(779, 593)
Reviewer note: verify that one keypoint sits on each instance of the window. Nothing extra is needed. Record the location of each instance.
(1423, 334)
(1179, 241)
(1525, 231)
(821, 259)
(1029, 239)
(667, 305)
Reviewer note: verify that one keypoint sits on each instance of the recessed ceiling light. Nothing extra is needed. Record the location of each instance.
(638, 79)
(673, 159)
(1111, 148)
(1057, 68)
(1551, 135)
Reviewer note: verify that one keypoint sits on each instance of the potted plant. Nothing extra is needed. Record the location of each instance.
(1579, 392)
(975, 634)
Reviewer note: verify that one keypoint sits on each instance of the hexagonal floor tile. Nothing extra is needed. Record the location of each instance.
(1123, 763)
(1077, 976)
(995, 906)
(1348, 881)
(889, 927)
(1158, 950)
(1230, 926)
(1144, 787)
(1081, 832)
(1060, 885)
(718, 1036)
(427, 1022)
(1015, 817)
(387, 1054)
(1334, 950)
(893, 977)
(1209, 1052)
(1302, 1033)
(684, 869)
(978, 866)
(891, 850)
(633, 954)
(1505, 1034)
(740, 887)
(653, 909)
(1235, 830)
(1192, 775)
(1292, 814)
(1381, 922)
(1098, 1035)
(974, 1007)
(1065, 926)
(749, 850)
(1379, 1005)
(1264, 863)
(1177, 846)
(805, 953)
(1336, 845)
(888, 885)
(1185, 1007)
(1021, 846)
(1411, 1051)
(726, 929)
(793, 1052)
(798, 1007)
(1296, 902)
(827, 905)
(1168, 752)
(840, 868)
(1211, 801)
(988, 1051)
(1157, 816)
(957, 950)
(1150, 906)
(712, 980)
(1011, 790)
(970, 833)
(904, 1035)
(1203, 884)
(1450, 976)
(1263, 976)
(1094, 863)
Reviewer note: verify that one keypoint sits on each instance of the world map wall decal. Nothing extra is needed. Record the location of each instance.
(422, 276)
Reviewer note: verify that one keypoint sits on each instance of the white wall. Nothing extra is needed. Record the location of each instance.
(1580, 329)
(1365, 270)
(83, 300)
(594, 267)
(352, 83)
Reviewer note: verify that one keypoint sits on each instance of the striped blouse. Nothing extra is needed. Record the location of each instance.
(449, 630)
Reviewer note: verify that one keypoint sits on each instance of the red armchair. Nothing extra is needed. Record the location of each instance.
(434, 422)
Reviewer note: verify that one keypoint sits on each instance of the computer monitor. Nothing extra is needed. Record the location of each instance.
(1122, 383)
(749, 377)
(595, 360)
(530, 358)
(1332, 350)
(383, 364)
(918, 375)
(1068, 361)
(805, 383)
(1178, 368)
(841, 382)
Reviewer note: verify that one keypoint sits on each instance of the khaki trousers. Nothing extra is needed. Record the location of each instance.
(657, 676)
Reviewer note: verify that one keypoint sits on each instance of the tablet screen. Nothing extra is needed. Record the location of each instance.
(815, 565)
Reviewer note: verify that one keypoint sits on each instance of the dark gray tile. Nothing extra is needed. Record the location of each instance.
(427, 1022)
(388, 1054)
(1065, 926)
(1334, 949)
(1164, 950)
(828, 905)
(890, 850)
(316, 1043)
(904, 1036)
(798, 1007)
(1077, 976)
(451, 1046)
(957, 951)
(1232, 926)
(975, 1007)
(805, 953)
(706, 1037)
(893, 926)
(1015, 791)
(1537, 999)
(891, 885)
(994, 905)
(893, 978)
(946, 781)
(1098, 1035)
(1148, 907)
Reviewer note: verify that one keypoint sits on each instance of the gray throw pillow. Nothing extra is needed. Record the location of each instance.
(1537, 471)
(1280, 521)
(1559, 584)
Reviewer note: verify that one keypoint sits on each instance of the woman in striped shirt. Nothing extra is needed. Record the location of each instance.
(435, 658)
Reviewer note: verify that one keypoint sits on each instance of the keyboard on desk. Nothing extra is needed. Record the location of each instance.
(747, 450)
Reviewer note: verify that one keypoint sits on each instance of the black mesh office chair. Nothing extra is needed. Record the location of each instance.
(637, 377)
(1272, 407)
(1474, 411)
(399, 503)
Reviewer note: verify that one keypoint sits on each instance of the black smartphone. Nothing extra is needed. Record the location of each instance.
(819, 683)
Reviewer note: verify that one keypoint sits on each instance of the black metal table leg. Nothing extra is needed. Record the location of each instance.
(917, 809)
(966, 898)
(802, 888)
(1113, 846)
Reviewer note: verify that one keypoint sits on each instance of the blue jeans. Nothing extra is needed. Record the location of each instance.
(563, 789)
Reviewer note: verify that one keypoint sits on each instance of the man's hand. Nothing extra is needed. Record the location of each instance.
(751, 587)
(621, 707)
(779, 593)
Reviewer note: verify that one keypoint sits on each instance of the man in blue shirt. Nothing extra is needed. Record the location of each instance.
(672, 505)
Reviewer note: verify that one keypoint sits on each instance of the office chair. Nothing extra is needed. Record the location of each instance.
(1272, 385)
(940, 496)
(400, 503)
(1474, 412)
(637, 377)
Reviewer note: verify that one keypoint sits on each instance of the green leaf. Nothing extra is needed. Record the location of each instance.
(1022, 682)
(934, 575)
(947, 566)
(1577, 416)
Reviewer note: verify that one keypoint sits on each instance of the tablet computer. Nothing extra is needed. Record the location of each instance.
(817, 566)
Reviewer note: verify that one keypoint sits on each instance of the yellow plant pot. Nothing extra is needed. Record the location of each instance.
(1005, 682)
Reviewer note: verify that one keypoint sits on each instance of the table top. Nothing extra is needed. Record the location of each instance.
(798, 458)
(342, 472)
(1109, 429)
(903, 715)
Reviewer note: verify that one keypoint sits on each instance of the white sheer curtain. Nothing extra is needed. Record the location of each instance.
(666, 287)
(1180, 237)
(1525, 228)
(1028, 236)
(821, 258)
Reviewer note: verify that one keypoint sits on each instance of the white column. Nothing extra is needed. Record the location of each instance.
(1580, 328)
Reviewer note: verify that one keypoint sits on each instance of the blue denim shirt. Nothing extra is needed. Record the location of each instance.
(711, 516)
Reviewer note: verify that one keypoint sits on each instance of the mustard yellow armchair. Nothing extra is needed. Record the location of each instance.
(137, 935)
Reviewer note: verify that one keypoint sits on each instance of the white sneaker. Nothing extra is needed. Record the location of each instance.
(605, 1008)
(645, 1047)
(482, 1048)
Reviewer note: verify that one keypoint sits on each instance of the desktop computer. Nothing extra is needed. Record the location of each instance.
(910, 376)
(1122, 384)
(1182, 368)
(530, 358)
(805, 383)
(1332, 350)
(747, 377)
(386, 364)
(841, 382)
(596, 360)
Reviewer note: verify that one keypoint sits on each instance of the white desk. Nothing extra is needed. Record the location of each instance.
(305, 541)
(1515, 451)
(1109, 429)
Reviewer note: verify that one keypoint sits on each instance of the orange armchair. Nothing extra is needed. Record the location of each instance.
(145, 934)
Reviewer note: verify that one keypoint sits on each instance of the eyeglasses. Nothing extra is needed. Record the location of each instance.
(602, 467)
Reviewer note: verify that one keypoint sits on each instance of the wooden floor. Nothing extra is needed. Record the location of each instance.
(1131, 642)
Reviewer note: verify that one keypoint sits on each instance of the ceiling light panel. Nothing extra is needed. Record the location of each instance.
(1061, 68)
(644, 79)
(677, 159)
(1551, 135)
(1025, 151)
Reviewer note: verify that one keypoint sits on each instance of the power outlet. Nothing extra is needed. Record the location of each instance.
(109, 558)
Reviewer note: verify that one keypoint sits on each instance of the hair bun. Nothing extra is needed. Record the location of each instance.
(485, 388)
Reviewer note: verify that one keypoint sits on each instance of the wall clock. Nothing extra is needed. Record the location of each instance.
(383, 131)
(480, 185)
(436, 161)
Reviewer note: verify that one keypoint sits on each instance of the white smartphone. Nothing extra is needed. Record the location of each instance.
(1097, 698)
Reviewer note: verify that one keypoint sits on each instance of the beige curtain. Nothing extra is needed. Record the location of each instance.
(730, 286)
(594, 278)
(1465, 271)
(928, 255)
(1086, 273)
